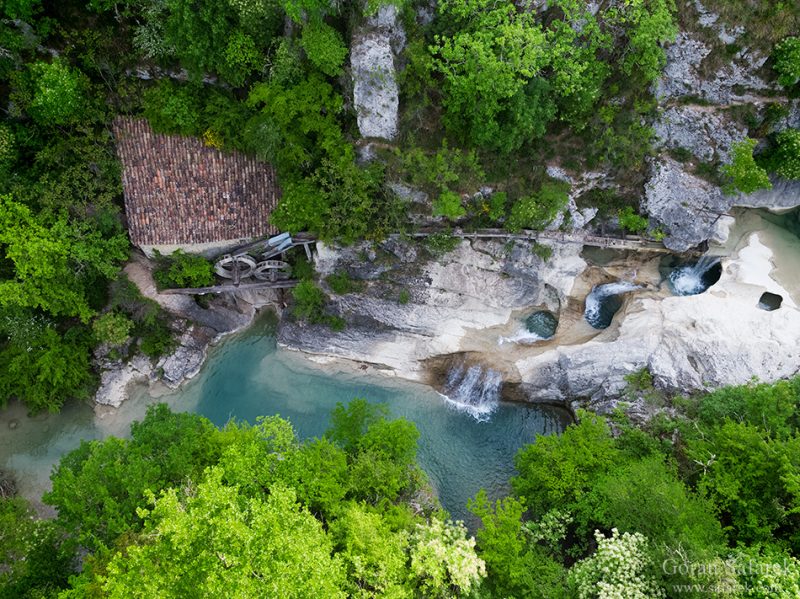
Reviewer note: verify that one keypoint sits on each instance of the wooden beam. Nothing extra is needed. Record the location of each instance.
(230, 288)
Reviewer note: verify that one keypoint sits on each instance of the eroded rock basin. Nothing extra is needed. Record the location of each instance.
(475, 301)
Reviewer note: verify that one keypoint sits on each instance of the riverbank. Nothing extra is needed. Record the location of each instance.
(196, 330)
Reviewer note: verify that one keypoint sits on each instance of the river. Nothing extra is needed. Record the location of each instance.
(248, 376)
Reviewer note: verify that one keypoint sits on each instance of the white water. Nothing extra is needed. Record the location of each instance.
(523, 335)
(594, 301)
(688, 280)
(474, 390)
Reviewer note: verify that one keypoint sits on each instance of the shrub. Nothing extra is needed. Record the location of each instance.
(630, 221)
(173, 108)
(404, 297)
(112, 328)
(324, 48)
(309, 301)
(341, 283)
(785, 159)
(183, 270)
(443, 242)
(448, 204)
(537, 210)
(59, 93)
(787, 61)
(746, 176)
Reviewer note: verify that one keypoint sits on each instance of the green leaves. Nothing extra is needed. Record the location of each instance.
(58, 93)
(786, 58)
(324, 47)
(53, 260)
(746, 176)
(539, 209)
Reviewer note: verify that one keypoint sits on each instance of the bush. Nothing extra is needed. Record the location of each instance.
(441, 243)
(448, 204)
(632, 222)
(112, 328)
(745, 175)
(309, 302)
(787, 61)
(324, 48)
(537, 210)
(183, 270)
(173, 108)
(59, 93)
(785, 159)
(341, 283)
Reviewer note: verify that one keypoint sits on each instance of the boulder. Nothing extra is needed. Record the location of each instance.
(688, 207)
(693, 210)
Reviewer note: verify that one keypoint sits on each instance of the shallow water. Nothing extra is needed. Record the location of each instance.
(248, 376)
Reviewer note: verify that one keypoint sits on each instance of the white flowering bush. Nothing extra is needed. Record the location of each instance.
(617, 570)
(443, 558)
(550, 529)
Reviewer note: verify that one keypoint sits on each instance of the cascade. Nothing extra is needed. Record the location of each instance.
(694, 278)
(473, 389)
(602, 303)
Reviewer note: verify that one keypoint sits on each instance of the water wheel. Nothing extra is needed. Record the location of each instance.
(240, 266)
(272, 270)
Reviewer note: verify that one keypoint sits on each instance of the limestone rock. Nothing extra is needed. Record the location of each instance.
(687, 343)
(704, 131)
(682, 75)
(114, 382)
(372, 57)
(452, 299)
(693, 210)
(686, 205)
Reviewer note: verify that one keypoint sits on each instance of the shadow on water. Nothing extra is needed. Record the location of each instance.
(248, 376)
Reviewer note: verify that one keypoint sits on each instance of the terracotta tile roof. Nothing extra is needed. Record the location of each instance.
(179, 191)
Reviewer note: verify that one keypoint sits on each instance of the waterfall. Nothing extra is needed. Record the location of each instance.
(602, 302)
(474, 390)
(690, 279)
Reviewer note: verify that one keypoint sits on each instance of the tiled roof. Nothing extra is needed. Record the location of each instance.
(179, 191)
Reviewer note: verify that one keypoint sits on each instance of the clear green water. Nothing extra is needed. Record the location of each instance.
(248, 376)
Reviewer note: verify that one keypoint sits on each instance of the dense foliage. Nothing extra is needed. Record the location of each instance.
(183, 508)
(701, 499)
(698, 501)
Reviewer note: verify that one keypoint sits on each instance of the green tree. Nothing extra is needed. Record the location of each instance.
(98, 487)
(59, 93)
(516, 565)
(631, 221)
(621, 567)
(44, 368)
(217, 543)
(558, 470)
(443, 559)
(448, 204)
(494, 52)
(183, 270)
(785, 158)
(786, 57)
(54, 261)
(112, 328)
(374, 555)
(324, 48)
(173, 108)
(743, 171)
